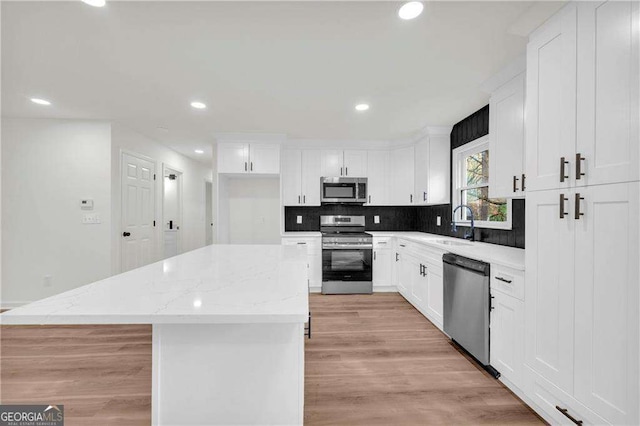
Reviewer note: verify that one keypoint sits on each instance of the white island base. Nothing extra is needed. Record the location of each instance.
(208, 374)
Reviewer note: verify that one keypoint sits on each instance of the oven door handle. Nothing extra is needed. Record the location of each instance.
(348, 247)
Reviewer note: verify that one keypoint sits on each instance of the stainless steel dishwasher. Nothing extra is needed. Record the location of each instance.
(467, 303)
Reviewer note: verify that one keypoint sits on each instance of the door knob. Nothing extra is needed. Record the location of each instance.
(126, 234)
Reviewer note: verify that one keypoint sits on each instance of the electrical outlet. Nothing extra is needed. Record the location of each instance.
(438, 221)
(376, 219)
(47, 281)
(298, 220)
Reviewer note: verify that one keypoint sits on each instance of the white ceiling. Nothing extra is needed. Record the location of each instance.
(275, 67)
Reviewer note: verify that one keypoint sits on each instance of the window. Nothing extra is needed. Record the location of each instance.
(472, 179)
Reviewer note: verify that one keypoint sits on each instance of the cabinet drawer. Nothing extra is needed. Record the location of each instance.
(383, 242)
(546, 396)
(508, 281)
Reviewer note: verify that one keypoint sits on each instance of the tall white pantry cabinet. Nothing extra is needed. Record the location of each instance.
(582, 324)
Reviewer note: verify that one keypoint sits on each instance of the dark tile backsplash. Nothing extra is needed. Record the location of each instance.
(422, 219)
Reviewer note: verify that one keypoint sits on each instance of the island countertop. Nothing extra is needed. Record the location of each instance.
(217, 284)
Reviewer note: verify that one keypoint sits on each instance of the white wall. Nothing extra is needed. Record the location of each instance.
(48, 166)
(194, 176)
(254, 210)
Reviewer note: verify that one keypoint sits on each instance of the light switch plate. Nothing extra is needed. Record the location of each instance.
(376, 219)
(438, 221)
(298, 220)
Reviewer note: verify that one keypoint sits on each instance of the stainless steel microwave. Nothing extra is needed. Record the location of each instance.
(343, 190)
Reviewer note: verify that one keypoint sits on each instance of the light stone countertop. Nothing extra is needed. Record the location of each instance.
(217, 284)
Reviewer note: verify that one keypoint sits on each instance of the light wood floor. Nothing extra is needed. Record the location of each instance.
(371, 360)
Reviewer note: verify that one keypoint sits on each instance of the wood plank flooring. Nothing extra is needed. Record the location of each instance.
(375, 360)
(371, 360)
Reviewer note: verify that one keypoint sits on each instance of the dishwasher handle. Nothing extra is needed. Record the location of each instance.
(466, 263)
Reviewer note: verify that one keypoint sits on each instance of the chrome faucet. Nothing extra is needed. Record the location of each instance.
(467, 235)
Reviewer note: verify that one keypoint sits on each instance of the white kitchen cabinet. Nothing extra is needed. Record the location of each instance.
(433, 273)
(314, 257)
(402, 176)
(347, 163)
(311, 177)
(549, 289)
(291, 177)
(432, 170)
(506, 139)
(378, 180)
(233, 157)
(405, 273)
(300, 177)
(332, 162)
(383, 259)
(355, 163)
(242, 157)
(507, 342)
(551, 102)
(608, 92)
(606, 300)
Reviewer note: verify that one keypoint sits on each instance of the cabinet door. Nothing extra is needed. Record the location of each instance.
(608, 94)
(551, 101)
(507, 345)
(405, 274)
(233, 157)
(311, 177)
(439, 170)
(291, 177)
(421, 168)
(435, 293)
(402, 176)
(382, 267)
(549, 287)
(506, 139)
(355, 163)
(418, 284)
(264, 158)
(606, 313)
(332, 163)
(378, 177)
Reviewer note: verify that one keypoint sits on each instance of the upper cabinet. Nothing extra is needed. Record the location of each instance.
(506, 139)
(402, 176)
(582, 97)
(378, 181)
(347, 163)
(431, 170)
(242, 157)
(551, 102)
(300, 177)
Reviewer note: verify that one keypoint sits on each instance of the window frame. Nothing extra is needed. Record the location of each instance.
(459, 184)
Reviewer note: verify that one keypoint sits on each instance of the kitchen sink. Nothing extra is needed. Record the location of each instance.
(452, 243)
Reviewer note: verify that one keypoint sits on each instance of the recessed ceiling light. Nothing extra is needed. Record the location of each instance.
(410, 10)
(199, 151)
(95, 3)
(40, 101)
(362, 107)
(198, 105)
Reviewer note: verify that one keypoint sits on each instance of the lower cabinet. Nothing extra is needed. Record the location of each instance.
(420, 279)
(314, 252)
(383, 264)
(506, 336)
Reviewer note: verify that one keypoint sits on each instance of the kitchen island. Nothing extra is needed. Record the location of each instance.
(228, 330)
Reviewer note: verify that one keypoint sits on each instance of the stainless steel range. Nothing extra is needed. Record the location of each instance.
(346, 255)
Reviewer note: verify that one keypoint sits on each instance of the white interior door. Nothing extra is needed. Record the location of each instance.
(172, 211)
(551, 102)
(606, 354)
(608, 77)
(208, 213)
(138, 212)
